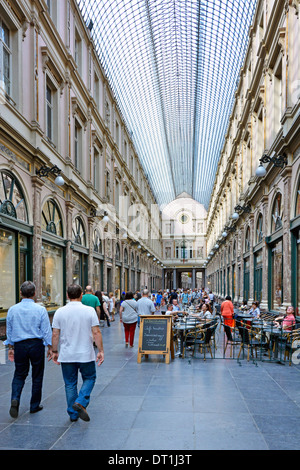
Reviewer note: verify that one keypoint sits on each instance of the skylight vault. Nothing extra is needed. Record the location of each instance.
(173, 66)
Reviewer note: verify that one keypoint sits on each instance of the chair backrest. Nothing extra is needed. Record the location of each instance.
(244, 334)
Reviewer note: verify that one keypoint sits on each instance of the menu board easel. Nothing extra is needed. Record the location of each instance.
(155, 336)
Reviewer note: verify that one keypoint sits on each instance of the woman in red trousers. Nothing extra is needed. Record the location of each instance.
(129, 317)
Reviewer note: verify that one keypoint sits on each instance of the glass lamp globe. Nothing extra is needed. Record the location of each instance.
(261, 171)
(235, 216)
(59, 181)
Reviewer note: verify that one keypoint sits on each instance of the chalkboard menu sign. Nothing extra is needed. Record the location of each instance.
(155, 336)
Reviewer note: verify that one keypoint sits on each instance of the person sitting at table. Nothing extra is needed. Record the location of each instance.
(175, 305)
(287, 321)
(206, 311)
(254, 310)
(169, 309)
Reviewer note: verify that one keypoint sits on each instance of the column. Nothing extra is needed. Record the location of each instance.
(69, 252)
(287, 268)
(174, 279)
(193, 278)
(37, 185)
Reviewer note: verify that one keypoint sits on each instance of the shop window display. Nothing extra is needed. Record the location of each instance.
(52, 276)
(7, 271)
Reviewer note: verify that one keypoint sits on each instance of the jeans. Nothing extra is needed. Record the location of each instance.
(70, 374)
(29, 351)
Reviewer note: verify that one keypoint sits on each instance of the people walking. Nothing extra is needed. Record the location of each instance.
(129, 317)
(28, 331)
(91, 300)
(112, 306)
(75, 327)
(145, 306)
(103, 308)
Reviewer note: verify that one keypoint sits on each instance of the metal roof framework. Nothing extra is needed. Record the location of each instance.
(173, 66)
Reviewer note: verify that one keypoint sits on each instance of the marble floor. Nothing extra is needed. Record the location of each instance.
(188, 404)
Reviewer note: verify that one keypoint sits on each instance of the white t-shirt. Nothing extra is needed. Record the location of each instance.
(75, 322)
(145, 306)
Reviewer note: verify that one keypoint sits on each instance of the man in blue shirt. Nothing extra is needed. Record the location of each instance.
(28, 331)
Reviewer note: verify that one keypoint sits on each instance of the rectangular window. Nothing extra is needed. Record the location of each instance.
(5, 54)
(107, 186)
(49, 112)
(77, 146)
(96, 170)
(97, 275)
(246, 278)
(77, 50)
(258, 276)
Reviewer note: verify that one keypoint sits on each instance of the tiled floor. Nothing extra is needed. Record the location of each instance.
(185, 405)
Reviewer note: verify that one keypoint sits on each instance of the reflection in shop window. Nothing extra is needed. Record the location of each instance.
(52, 276)
(276, 281)
(97, 275)
(7, 270)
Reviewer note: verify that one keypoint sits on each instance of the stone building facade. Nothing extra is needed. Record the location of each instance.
(57, 111)
(253, 222)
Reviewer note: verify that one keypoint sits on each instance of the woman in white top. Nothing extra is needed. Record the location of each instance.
(129, 317)
(254, 310)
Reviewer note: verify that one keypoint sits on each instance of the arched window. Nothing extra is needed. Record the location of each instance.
(78, 232)
(234, 250)
(12, 201)
(276, 222)
(259, 229)
(132, 260)
(97, 243)
(125, 256)
(118, 254)
(51, 218)
(138, 262)
(247, 240)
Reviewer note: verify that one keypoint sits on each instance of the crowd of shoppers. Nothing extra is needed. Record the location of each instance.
(75, 333)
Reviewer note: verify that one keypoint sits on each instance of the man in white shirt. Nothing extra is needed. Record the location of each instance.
(75, 327)
(145, 306)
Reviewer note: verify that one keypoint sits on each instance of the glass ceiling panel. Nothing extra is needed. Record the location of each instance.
(173, 66)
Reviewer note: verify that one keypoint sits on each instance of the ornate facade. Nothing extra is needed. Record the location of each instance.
(57, 111)
(254, 215)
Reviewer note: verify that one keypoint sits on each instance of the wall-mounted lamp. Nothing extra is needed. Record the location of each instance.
(44, 171)
(278, 161)
(238, 210)
(228, 229)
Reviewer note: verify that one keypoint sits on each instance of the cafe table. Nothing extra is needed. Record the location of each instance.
(185, 325)
(274, 332)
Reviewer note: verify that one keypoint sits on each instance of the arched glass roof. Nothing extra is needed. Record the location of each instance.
(173, 66)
